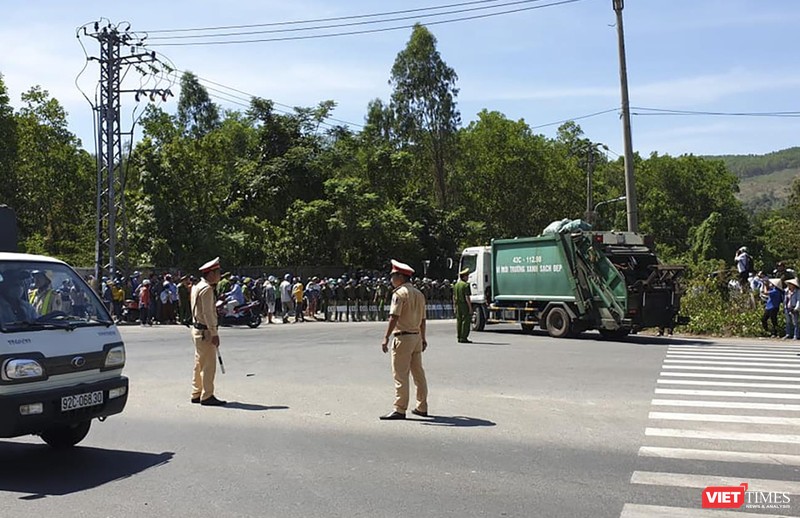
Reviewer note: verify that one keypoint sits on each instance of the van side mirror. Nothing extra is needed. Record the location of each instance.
(450, 263)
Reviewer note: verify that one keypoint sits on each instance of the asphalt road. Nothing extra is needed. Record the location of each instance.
(523, 426)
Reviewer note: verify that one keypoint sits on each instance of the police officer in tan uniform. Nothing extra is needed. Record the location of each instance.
(205, 336)
(406, 334)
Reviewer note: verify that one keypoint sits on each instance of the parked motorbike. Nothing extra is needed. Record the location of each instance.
(245, 315)
(130, 311)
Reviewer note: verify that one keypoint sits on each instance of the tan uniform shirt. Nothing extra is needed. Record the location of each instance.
(204, 310)
(408, 305)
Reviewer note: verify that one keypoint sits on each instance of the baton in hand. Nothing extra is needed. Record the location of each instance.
(221, 365)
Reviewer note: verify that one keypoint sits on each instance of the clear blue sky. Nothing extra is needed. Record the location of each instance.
(542, 65)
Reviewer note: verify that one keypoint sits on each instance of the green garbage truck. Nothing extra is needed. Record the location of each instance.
(570, 282)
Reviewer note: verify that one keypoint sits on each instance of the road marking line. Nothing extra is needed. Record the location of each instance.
(731, 384)
(723, 436)
(727, 393)
(729, 369)
(755, 349)
(726, 418)
(729, 376)
(702, 481)
(760, 354)
(742, 364)
(661, 511)
(726, 404)
(778, 459)
(737, 358)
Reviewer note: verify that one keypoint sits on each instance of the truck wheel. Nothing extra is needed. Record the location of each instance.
(558, 323)
(615, 334)
(66, 436)
(478, 319)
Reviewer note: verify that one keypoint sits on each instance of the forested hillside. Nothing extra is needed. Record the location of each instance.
(747, 166)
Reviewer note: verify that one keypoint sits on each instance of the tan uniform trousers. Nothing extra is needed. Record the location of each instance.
(407, 356)
(205, 365)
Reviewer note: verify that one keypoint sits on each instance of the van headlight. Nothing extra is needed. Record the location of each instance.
(115, 357)
(22, 369)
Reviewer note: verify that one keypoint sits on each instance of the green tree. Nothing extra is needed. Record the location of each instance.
(197, 114)
(55, 182)
(424, 106)
(8, 149)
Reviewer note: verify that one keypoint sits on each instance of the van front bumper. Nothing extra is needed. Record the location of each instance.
(14, 424)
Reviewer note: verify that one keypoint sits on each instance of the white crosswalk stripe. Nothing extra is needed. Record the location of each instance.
(729, 384)
(727, 376)
(726, 404)
(698, 416)
(725, 418)
(660, 511)
(779, 459)
(727, 393)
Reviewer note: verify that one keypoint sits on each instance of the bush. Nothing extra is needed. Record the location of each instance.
(716, 309)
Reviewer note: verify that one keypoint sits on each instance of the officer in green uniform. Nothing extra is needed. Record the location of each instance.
(463, 306)
(224, 284)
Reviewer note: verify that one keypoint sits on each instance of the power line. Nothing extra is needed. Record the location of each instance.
(348, 24)
(664, 111)
(321, 20)
(250, 96)
(367, 31)
(595, 114)
(233, 99)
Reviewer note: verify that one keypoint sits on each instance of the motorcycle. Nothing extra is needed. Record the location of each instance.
(247, 314)
(130, 311)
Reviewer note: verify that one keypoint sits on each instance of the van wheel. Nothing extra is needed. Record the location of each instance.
(66, 436)
(478, 318)
(558, 323)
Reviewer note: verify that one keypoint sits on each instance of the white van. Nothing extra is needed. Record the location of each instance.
(61, 356)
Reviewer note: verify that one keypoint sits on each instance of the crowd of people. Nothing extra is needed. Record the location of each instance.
(159, 299)
(780, 290)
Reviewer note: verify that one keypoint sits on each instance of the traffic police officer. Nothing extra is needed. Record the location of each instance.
(463, 306)
(406, 330)
(205, 336)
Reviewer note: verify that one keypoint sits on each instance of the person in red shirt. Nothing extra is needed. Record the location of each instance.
(144, 302)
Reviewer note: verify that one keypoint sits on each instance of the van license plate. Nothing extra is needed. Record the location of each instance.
(81, 400)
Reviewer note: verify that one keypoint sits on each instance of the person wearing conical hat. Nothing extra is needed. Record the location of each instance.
(462, 304)
(405, 334)
(791, 308)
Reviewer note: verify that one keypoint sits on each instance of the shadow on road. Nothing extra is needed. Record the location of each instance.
(634, 339)
(40, 471)
(460, 421)
(254, 407)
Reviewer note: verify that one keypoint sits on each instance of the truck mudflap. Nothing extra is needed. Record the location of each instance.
(83, 403)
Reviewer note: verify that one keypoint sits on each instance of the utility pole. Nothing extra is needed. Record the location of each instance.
(630, 185)
(111, 228)
(589, 186)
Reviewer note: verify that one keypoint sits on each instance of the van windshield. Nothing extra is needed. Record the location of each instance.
(41, 295)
